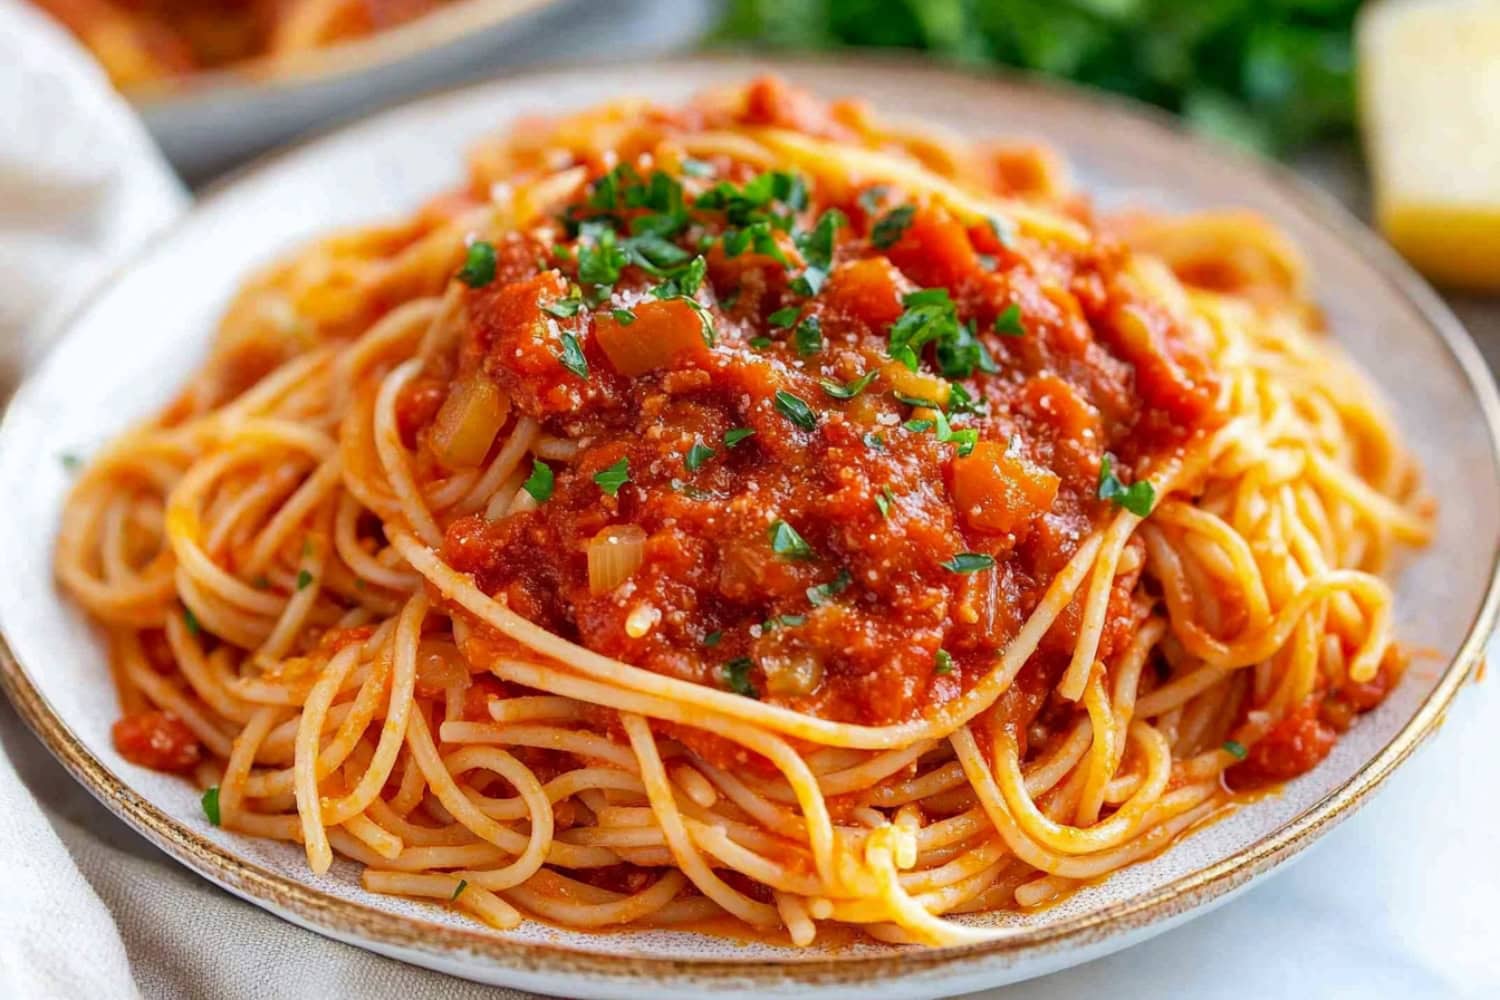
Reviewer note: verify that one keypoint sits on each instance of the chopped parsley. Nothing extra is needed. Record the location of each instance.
(825, 592)
(943, 662)
(210, 801)
(624, 317)
(539, 483)
(930, 317)
(889, 230)
(796, 410)
(883, 501)
(969, 562)
(735, 435)
(783, 621)
(849, 389)
(962, 352)
(462, 885)
(69, 461)
(874, 441)
(564, 308)
(785, 542)
(737, 677)
(783, 318)
(761, 343)
(1236, 749)
(918, 426)
(697, 455)
(304, 579)
(572, 356)
(1138, 498)
(808, 337)
(191, 621)
(479, 264)
(817, 249)
(713, 638)
(1008, 323)
(612, 478)
(964, 439)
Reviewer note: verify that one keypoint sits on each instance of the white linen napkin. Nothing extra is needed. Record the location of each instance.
(1400, 901)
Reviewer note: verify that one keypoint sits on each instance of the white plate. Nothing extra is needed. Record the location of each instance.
(134, 342)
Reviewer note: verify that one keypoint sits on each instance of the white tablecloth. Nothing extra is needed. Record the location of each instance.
(1399, 901)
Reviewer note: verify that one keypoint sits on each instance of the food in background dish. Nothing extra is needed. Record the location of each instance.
(142, 41)
(751, 515)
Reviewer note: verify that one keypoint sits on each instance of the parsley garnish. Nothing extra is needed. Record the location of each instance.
(944, 662)
(786, 542)
(1236, 749)
(817, 250)
(735, 435)
(697, 455)
(624, 317)
(1138, 498)
(783, 621)
(612, 478)
(564, 308)
(825, 592)
(210, 803)
(572, 356)
(964, 439)
(808, 337)
(462, 885)
(479, 265)
(761, 343)
(69, 461)
(191, 621)
(783, 318)
(883, 501)
(918, 426)
(795, 410)
(892, 225)
(304, 579)
(930, 316)
(968, 562)
(737, 677)
(961, 353)
(539, 483)
(713, 638)
(874, 441)
(849, 389)
(1008, 323)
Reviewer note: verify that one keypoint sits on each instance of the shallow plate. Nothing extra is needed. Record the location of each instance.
(138, 338)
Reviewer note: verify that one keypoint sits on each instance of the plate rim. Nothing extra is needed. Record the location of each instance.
(350, 920)
(342, 60)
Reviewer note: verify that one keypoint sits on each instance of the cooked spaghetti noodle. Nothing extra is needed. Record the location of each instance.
(751, 513)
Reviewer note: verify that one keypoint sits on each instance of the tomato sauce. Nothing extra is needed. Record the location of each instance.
(859, 554)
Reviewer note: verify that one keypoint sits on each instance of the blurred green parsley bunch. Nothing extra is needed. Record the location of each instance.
(1270, 75)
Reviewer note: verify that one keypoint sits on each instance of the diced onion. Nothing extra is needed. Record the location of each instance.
(794, 674)
(614, 554)
(466, 426)
(440, 666)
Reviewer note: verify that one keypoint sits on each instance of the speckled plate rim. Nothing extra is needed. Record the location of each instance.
(541, 965)
(431, 31)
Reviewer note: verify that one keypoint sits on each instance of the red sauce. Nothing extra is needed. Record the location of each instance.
(158, 740)
(1295, 745)
(883, 509)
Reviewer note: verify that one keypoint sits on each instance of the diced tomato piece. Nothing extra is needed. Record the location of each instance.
(416, 405)
(665, 334)
(1171, 373)
(996, 492)
(1294, 746)
(158, 740)
(935, 251)
(769, 101)
(868, 290)
(477, 697)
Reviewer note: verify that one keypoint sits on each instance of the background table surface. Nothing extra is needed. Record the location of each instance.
(1400, 900)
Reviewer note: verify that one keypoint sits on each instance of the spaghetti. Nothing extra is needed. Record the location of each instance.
(751, 514)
